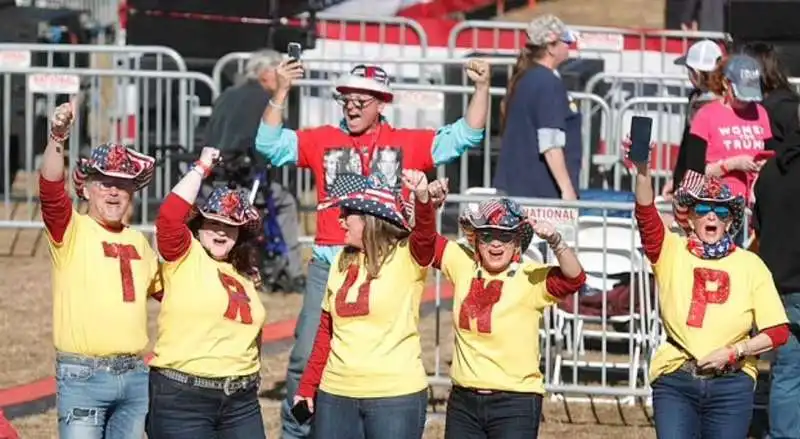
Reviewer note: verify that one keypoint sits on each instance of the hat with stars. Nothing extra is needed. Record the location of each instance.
(229, 206)
(368, 195)
(697, 188)
(497, 214)
(117, 161)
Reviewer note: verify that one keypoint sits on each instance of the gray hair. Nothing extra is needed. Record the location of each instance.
(260, 61)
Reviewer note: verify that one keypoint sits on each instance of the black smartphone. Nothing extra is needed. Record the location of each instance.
(294, 50)
(301, 412)
(641, 128)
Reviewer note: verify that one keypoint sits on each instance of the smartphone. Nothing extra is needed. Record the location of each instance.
(641, 128)
(764, 155)
(294, 50)
(301, 412)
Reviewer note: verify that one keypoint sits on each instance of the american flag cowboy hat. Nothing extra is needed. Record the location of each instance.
(368, 195)
(497, 214)
(229, 206)
(696, 188)
(114, 160)
(369, 79)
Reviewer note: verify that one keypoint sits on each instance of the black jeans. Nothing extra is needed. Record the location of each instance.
(496, 415)
(181, 411)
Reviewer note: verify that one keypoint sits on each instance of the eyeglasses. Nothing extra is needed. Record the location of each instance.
(107, 184)
(704, 209)
(358, 104)
(487, 236)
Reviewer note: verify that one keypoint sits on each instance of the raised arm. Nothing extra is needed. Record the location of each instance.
(451, 141)
(172, 233)
(428, 197)
(56, 205)
(651, 227)
(568, 277)
(278, 145)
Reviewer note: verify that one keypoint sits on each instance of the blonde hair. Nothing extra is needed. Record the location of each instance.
(380, 239)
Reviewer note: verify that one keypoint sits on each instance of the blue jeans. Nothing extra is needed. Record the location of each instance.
(304, 333)
(398, 417)
(183, 411)
(685, 407)
(101, 398)
(497, 415)
(784, 393)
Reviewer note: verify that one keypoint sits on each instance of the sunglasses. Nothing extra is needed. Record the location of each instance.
(703, 209)
(488, 236)
(358, 104)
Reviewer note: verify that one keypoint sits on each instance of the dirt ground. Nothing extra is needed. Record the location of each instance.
(636, 14)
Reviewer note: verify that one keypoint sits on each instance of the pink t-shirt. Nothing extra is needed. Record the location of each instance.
(728, 135)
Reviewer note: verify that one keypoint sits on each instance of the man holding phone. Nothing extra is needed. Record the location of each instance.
(362, 134)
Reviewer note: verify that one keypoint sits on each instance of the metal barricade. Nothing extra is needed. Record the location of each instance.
(91, 56)
(621, 49)
(574, 338)
(165, 114)
(340, 35)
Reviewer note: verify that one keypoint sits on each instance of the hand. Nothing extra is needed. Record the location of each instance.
(544, 230)
(667, 190)
(717, 360)
(686, 27)
(209, 156)
(309, 401)
(742, 163)
(61, 122)
(417, 182)
(569, 195)
(479, 71)
(438, 190)
(287, 72)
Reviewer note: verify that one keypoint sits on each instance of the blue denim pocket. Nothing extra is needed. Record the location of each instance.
(73, 372)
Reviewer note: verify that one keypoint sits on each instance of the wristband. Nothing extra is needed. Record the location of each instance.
(723, 167)
(275, 105)
(739, 351)
(733, 357)
(60, 139)
(204, 169)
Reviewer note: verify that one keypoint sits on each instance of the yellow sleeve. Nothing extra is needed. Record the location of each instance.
(455, 260)
(62, 251)
(332, 275)
(537, 279)
(768, 309)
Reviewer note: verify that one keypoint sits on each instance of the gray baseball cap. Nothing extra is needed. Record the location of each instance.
(744, 73)
(546, 29)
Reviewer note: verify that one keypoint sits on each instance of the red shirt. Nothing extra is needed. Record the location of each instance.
(329, 150)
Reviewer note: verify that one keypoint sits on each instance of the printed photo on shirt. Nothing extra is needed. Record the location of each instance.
(388, 161)
(340, 160)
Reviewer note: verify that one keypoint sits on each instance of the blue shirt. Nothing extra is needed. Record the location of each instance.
(540, 101)
(280, 147)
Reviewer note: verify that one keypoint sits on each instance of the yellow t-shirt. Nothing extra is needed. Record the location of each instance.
(101, 282)
(497, 342)
(375, 345)
(709, 304)
(210, 318)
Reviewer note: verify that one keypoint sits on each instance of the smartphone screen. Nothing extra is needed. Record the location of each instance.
(294, 50)
(640, 138)
(301, 412)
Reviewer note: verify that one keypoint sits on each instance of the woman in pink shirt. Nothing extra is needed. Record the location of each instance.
(733, 130)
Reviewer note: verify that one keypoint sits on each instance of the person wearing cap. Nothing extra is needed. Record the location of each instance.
(102, 273)
(365, 377)
(357, 141)
(541, 145)
(731, 133)
(204, 375)
(498, 301)
(711, 295)
(700, 61)
(780, 99)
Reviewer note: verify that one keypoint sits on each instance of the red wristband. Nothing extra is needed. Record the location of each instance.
(59, 139)
(732, 357)
(203, 167)
(723, 168)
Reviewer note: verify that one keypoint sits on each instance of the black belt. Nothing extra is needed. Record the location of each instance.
(228, 385)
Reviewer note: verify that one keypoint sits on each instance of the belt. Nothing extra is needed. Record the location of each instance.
(117, 363)
(228, 385)
(690, 367)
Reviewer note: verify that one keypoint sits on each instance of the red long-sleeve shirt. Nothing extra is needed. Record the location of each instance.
(173, 236)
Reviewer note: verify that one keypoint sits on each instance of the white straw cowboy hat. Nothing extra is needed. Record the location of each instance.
(366, 78)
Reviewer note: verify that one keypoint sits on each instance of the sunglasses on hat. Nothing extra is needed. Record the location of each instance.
(703, 209)
(504, 236)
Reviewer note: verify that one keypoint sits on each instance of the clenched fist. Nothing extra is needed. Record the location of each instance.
(479, 72)
(61, 122)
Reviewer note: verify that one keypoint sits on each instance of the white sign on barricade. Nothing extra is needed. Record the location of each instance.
(15, 59)
(600, 41)
(51, 83)
(565, 219)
